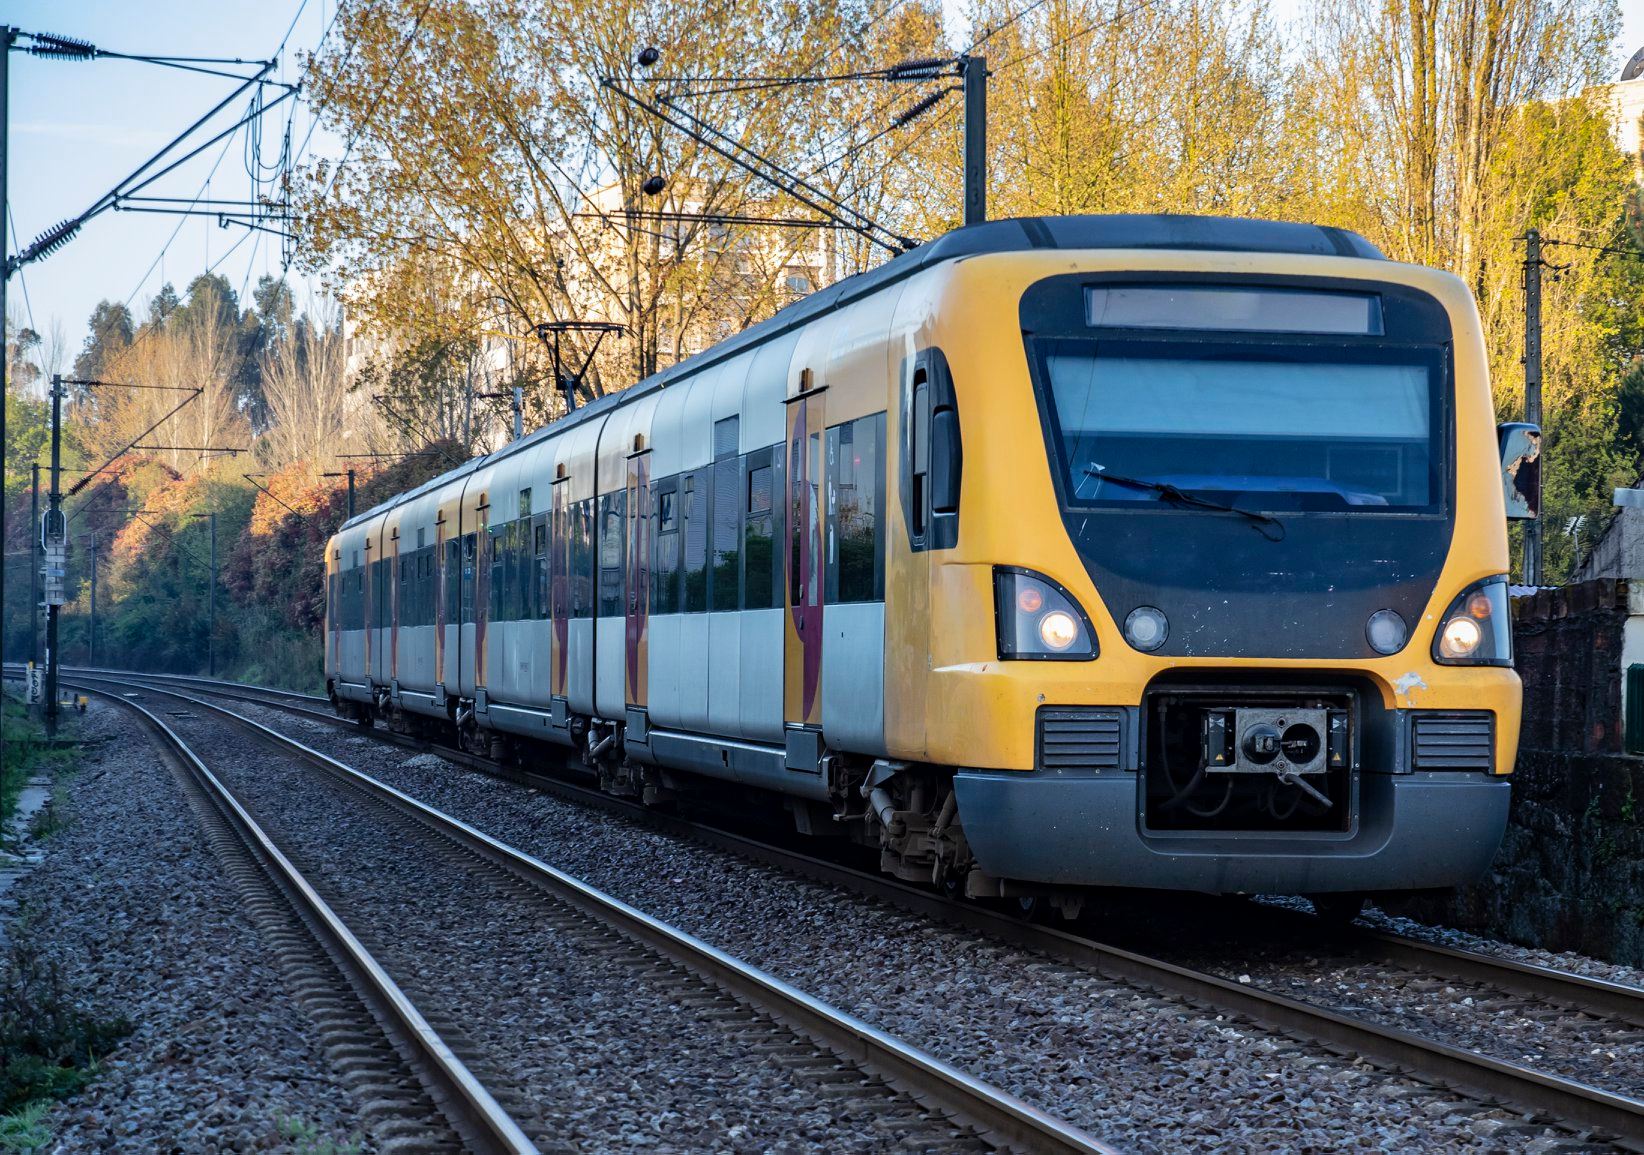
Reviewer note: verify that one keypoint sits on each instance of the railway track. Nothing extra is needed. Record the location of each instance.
(1576, 1104)
(908, 1080)
(474, 1117)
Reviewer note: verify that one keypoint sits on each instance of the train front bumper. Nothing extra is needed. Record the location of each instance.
(1414, 831)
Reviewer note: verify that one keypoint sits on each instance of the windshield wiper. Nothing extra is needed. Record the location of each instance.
(1269, 527)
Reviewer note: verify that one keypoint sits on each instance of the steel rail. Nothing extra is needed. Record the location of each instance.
(998, 1116)
(1390, 1047)
(476, 1116)
(1581, 992)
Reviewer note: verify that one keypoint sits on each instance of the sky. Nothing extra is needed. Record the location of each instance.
(77, 128)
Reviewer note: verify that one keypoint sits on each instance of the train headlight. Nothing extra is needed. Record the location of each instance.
(1146, 628)
(1038, 619)
(1477, 629)
(1386, 632)
(1058, 630)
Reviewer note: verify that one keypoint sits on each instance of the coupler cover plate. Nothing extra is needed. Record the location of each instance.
(1248, 740)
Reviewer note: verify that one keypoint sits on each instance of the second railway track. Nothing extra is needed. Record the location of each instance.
(1583, 1106)
(796, 1069)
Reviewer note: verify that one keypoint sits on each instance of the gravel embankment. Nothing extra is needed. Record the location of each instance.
(607, 1047)
(132, 905)
(1146, 1073)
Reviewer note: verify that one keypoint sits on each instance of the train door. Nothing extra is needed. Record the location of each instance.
(442, 572)
(396, 580)
(637, 604)
(802, 664)
(560, 583)
(485, 551)
(368, 599)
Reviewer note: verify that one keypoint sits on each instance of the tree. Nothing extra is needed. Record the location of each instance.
(109, 337)
(482, 131)
(312, 414)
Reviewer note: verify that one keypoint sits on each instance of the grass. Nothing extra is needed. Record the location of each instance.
(305, 1139)
(50, 1044)
(25, 1130)
(28, 756)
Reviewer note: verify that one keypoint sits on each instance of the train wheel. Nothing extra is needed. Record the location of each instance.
(1337, 910)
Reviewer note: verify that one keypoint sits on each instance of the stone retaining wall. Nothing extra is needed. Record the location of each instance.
(1570, 873)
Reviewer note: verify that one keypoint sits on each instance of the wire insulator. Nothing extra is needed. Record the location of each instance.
(919, 107)
(61, 47)
(921, 69)
(49, 241)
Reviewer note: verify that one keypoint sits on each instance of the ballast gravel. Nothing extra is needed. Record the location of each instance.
(1143, 1072)
(604, 1047)
(131, 905)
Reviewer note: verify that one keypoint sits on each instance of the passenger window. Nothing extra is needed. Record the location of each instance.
(665, 557)
(467, 577)
(543, 573)
(855, 547)
(727, 482)
(582, 559)
(611, 551)
(694, 514)
(761, 558)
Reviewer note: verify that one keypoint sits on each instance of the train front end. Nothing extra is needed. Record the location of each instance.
(1234, 542)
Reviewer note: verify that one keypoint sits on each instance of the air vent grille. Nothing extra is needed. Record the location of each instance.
(1453, 741)
(1077, 740)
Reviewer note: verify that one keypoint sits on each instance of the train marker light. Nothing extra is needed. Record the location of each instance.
(1386, 632)
(1147, 628)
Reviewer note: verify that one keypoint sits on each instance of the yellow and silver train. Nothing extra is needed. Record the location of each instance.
(1140, 551)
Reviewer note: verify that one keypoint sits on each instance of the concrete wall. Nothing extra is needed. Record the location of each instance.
(1570, 873)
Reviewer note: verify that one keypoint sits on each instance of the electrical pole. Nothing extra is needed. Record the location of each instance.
(211, 632)
(974, 70)
(53, 541)
(519, 412)
(91, 635)
(8, 37)
(1532, 385)
(34, 564)
(350, 495)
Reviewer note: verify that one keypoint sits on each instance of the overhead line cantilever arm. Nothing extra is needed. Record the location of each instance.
(172, 412)
(794, 179)
(868, 230)
(53, 238)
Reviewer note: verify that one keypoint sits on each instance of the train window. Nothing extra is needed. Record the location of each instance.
(582, 559)
(525, 503)
(694, 514)
(760, 555)
(726, 433)
(611, 550)
(451, 581)
(727, 512)
(467, 577)
(496, 607)
(540, 567)
(665, 554)
(855, 547)
(919, 500)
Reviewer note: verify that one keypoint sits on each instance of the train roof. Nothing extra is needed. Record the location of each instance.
(1018, 234)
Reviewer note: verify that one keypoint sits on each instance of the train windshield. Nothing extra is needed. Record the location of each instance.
(1271, 427)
